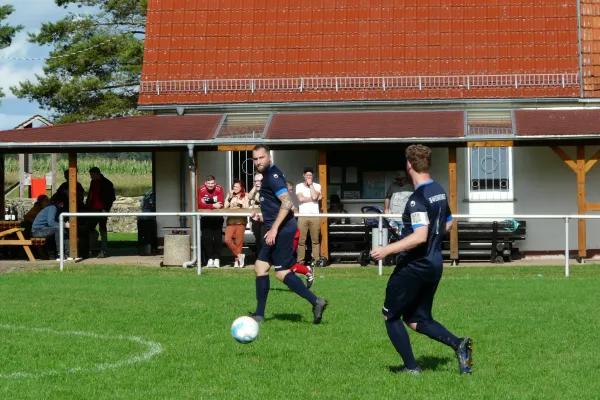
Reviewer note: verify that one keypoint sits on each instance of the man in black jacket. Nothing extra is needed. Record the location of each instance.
(101, 197)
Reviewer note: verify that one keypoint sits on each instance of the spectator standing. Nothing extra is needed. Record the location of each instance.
(254, 198)
(63, 191)
(237, 199)
(45, 225)
(309, 194)
(211, 197)
(101, 197)
(395, 199)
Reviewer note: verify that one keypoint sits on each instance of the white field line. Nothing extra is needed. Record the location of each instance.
(154, 348)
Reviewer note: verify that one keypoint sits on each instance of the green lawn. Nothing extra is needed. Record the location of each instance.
(535, 336)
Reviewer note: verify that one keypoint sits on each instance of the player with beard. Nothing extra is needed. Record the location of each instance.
(277, 250)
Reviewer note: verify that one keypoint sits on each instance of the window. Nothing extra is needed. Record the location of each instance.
(490, 169)
(490, 173)
(241, 167)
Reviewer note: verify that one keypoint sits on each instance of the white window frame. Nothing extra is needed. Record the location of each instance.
(491, 195)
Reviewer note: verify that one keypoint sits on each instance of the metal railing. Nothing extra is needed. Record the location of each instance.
(380, 217)
(383, 83)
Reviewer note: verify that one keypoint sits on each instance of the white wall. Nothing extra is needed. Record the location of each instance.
(292, 163)
(213, 163)
(544, 184)
(167, 188)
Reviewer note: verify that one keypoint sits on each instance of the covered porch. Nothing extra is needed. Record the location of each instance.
(538, 140)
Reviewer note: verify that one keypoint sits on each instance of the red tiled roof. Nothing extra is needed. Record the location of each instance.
(367, 125)
(557, 122)
(139, 128)
(234, 39)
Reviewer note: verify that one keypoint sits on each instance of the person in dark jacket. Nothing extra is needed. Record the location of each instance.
(63, 191)
(101, 197)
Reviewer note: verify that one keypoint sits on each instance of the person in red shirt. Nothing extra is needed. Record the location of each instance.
(211, 197)
(101, 197)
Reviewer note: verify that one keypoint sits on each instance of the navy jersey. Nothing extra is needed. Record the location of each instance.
(427, 206)
(273, 185)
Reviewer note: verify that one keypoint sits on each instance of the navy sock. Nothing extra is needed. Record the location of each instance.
(296, 286)
(399, 337)
(436, 331)
(262, 291)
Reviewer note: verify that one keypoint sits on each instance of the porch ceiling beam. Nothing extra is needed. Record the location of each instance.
(592, 207)
(572, 164)
(73, 204)
(245, 147)
(453, 201)
(322, 158)
(491, 143)
(581, 206)
(592, 161)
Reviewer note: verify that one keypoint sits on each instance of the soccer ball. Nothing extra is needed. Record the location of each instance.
(244, 329)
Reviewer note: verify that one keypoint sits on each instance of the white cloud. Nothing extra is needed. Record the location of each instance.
(14, 71)
(30, 14)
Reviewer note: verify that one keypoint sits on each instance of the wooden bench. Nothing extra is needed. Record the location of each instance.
(487, 241)
(10, 228)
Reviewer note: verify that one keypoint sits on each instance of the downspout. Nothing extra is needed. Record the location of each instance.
(193, 206)
(182, 220)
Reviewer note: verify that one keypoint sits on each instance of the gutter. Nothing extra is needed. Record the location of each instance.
(193, 207)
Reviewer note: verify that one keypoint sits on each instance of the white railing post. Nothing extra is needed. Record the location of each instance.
(199, 244)
(380, 241)
(197, 217)
(566, 246)
(61, 233)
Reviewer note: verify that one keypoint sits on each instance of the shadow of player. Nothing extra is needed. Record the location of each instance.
(431, 363)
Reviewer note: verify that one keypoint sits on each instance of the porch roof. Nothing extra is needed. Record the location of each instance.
(371, 125)
(299, 129)
(541, 124)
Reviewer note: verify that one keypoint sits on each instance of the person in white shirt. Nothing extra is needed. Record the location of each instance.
(309, 195)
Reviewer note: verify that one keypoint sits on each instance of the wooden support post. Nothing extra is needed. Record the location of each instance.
(581, 200)
(453, 201)
(3, 180)
(324, 221)
(73, 204)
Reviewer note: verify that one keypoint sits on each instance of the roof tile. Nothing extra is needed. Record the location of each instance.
(405, 124)
(231, 39)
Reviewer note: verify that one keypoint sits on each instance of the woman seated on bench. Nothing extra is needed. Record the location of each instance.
(45, 225)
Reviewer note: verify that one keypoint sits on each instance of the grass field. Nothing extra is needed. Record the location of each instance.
(535, 336)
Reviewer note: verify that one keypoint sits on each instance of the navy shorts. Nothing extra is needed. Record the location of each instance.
(281, 254)
(409, 296)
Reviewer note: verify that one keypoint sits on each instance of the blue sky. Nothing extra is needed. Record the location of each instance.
(30, 14)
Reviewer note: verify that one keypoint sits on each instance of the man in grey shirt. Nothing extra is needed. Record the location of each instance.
(396, 197)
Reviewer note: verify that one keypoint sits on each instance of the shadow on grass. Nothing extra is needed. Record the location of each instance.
(287, 317)
(427, 363)
(280, 290)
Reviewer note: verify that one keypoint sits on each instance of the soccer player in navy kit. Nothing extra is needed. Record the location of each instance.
(277, 250)
(412, 285)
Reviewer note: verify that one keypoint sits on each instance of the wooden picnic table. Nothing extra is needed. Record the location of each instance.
(8, 228)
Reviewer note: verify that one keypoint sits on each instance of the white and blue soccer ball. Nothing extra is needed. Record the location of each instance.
(244, 329)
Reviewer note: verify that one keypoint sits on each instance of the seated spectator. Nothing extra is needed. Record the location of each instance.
(45, 225)
(336, 207)
(236, 226)
(42, 201)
